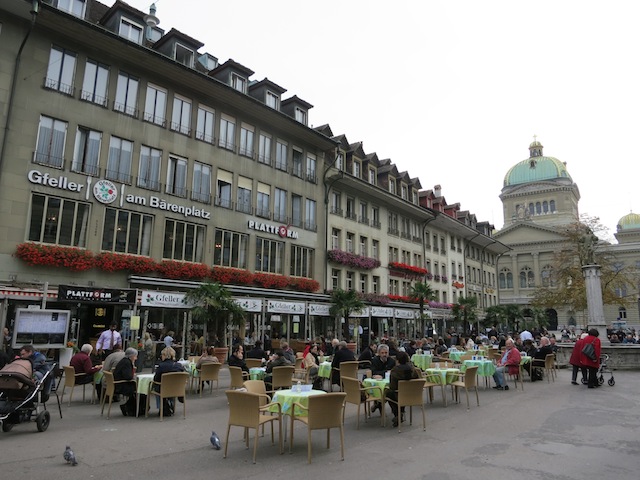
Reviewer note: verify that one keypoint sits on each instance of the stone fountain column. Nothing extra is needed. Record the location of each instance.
(595, 307)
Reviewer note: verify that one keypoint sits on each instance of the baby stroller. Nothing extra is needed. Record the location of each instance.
(602, 369)
(19, 396)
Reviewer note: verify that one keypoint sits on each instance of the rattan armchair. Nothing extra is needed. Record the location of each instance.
(355, 396)
(70, 377)
(108, 390)
(467, 380)
(410, 395)
(172, 384)
(209, 372)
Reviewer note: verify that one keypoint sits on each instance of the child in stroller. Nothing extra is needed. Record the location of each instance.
(19, 395)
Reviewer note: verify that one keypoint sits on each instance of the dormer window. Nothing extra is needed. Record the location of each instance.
(74, 7)
(239, 83)
(356, 169)
(404, 193)
(301, 116)
(372, 176)
(415, 197)
(184, 55)
(130, 30)
(273, 100)
(340, 161)
(392, 185)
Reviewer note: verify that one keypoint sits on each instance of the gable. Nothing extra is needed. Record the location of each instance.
(526, 234)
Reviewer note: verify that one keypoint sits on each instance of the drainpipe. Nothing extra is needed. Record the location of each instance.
(35, 8)
(327, 189)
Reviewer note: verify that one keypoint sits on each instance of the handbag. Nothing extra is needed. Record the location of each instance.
(589, 351)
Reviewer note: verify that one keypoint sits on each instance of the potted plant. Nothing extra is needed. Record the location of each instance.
(211, 302)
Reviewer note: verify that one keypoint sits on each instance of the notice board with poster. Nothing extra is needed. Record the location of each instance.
(42, 328)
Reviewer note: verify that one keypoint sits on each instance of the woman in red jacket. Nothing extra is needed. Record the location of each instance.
(574, 360)
(592, 365)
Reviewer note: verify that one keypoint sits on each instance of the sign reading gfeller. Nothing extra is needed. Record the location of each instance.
(61, 182)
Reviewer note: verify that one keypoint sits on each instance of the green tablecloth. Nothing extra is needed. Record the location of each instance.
(143, 382)
(286, 399)
(257, 373)
(422, 361)
(372, 382)
(486, 368)
(455, 355)
(324, 370)
(442, 376)
(524, 360)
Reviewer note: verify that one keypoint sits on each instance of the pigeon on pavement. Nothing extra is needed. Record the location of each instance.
(69, 456)
(215, 441)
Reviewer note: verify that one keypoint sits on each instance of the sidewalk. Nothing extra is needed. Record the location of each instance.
(551, 430)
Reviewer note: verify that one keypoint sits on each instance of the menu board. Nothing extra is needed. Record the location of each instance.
(42, 328)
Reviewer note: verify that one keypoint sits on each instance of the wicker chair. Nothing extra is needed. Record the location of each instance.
(355, 397)
(468, 380)
(172, 384)
(209, 372)
(410, 395)
(281, 377)
(237, 377)
(108, 390)
(70, 377)
(253, 362)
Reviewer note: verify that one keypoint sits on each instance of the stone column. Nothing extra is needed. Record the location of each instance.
(595, 306)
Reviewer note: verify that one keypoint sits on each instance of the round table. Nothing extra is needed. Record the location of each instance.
(286, 399)
(324, 370)
(443, 376)
(486, 368)
(374, 382)
(257, 373)
(422, 361)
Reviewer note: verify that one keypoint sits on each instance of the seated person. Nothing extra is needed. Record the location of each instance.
(539, 357)
(277, 359)
(310, 364)
(113, 358)
(125, 370)
(40, 368)
(167, 364)
(403, 370)
(341, 354)
(81, 363)
(237, 358)
(289, 354)
(208, 357)
(510, 361)
(257, 351)
(410, 348)
(366, 356)
(382, 362)
(441, 347)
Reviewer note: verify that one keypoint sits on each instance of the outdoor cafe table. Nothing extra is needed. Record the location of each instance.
(143, 385)
(422, 361)
(443, 376)
(486, 368)
(257, 373)
(286, 399)
(375, 382)
(324, 370)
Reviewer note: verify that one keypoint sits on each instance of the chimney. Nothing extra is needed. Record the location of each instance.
(437, 191)
(152, 21)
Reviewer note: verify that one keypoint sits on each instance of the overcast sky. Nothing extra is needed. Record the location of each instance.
(451, 91)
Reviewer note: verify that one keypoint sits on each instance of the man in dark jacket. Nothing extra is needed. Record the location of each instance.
(167, 365)
(539, 357)
(404, 370)
(124, 370)
(343, 354)
(382, 362)
(276, 360)
(256, 351)
(237, 358)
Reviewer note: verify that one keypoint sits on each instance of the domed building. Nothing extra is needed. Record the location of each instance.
(539, 198)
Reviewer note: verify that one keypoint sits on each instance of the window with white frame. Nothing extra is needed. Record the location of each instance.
(183, 55)
(206, 124)
(243, 203)
(393, 223)
(127, 232)
(310, 215)
(375, 249)
(177, 176)
(120, 159)
(130, 30)
(335, 205)
(375, 217)
(269, 256)
(281, 155)
(246, 140)
(74, 7)
(363, 246)
(61, 69)
(356, 169)
(58, 221)
(301, 116)
(335, 239)
(149, 173)
(414, 197)
(394, 287)
(227, 132)
(364, 209)
(375, 284)
(52, 135)
(373, 180)
(87, 151)
(404, 192)
(201, 190)
(272, 100)
(350, 241)
(296, 210)
(223, 188)
(311, 168)
(95, 83)
(238, 83)
(392, 185)
(263, 203)
(351, 209)
(126, 95)
(296, 162)
(340, 161)
(231, 249)
(264, 149)
(301, 261)
(335, 278)
(279, 205)
(183, 241)
(181, 115)
(155, 105)
(349, 283)
(393, 254)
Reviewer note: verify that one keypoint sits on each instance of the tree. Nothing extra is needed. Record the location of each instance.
(344, 303)
(213, 302)
(422, 293)
(565, 284)
(464, 311)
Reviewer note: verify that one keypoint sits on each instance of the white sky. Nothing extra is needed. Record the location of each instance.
(451, 91)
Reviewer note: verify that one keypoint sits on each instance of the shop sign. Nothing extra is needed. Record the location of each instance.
(74, 293)
(275, 306)
(381, 312)
(361, 313)
(319, 309)
(401, 313)
(160, 204)
(154, 298)
(61, 182)
(280, 230)
(249, 304)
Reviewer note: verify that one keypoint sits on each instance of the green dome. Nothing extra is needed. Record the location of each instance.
(630, 221)
(536, 168)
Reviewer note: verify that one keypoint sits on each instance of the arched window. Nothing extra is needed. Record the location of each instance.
(505, 278)
(552, 206)
(538, 208)
(622, 313)
(526, 278)
(545, 207)
(547, 276)
(532, 210)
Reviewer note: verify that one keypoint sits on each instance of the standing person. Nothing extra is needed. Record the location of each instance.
(108, 339)
(168, 339)
(591, 365)
(574, 360)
